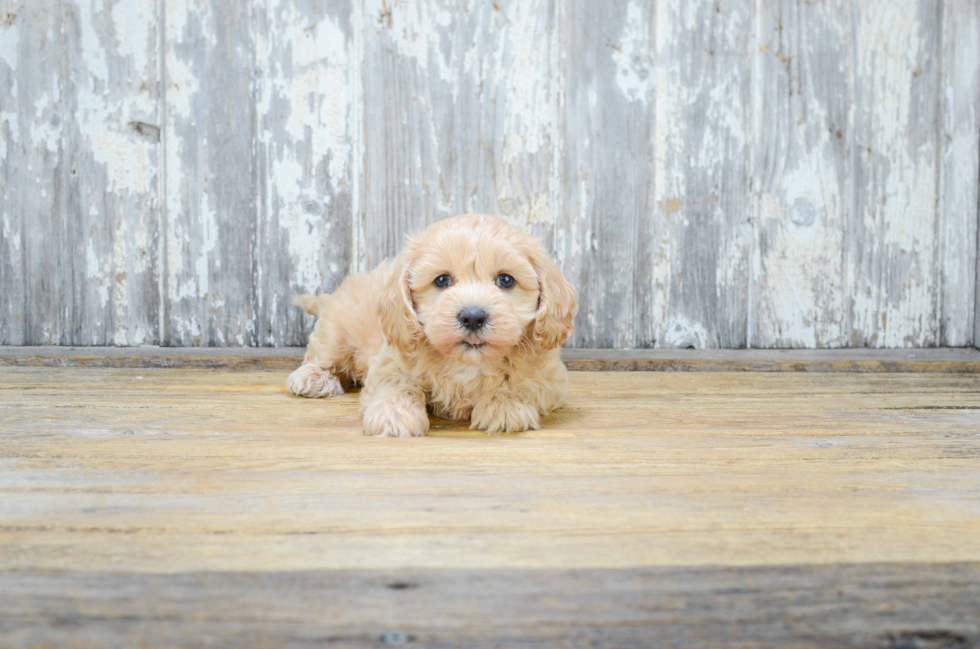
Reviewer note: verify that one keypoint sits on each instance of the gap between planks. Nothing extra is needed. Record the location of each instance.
(938, 360)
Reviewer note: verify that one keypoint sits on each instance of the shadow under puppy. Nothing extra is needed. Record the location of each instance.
(467, 320)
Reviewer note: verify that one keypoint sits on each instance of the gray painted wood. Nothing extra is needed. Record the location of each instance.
(36, 266)
(960, 172)
(210, 174)
(11, 255)
(893, 246)
(410, 72)
(702, 172)
(709, 174)
(304, 158)
(836, 605)
(112, 117)
(605, 225)
(801, 175)
(507, 108)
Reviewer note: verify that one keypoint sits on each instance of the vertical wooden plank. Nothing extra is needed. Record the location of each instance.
(304, 158)
(210, 125)
(960, 171)
(410, 73)
(703, 197)
(802, 174)
(893, 229)
(606, 167)
(11, 157)
(508, 112)
(35, 247)
(112, 94)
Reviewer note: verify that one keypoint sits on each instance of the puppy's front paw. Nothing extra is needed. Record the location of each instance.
(395, 416)
(311, 381)
(503, 416)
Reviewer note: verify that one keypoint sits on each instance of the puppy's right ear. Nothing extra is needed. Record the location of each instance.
(399, 323)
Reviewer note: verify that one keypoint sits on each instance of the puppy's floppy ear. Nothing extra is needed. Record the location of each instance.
(399, 323)
(557, 304)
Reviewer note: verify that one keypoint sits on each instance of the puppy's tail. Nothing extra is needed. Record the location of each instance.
(309, 303)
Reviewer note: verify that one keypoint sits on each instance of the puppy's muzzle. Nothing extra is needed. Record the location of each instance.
(472, 318)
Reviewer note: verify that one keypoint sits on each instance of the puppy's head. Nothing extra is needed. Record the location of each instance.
(474, 287)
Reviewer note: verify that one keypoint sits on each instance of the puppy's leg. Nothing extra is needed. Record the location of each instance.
(500, 411)
(324, 353)
(392, 401)
(518, 403)
(311, 380)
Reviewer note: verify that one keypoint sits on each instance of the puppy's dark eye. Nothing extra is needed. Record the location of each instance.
(443, 281)
(505, 281)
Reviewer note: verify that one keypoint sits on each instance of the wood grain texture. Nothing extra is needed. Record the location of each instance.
(802, 167)
(960, 172)
(701, 183)
(605, 230)
(508, 93)
(411, 61)
(165, 505)
(893, 245)
(11, 252)
(304, 159)
(36, 264)
(710, 174)
(113, 116)
(211, 200)
(865, 605)
(169, 470)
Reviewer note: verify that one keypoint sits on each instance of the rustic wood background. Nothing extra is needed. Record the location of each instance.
(710, 173)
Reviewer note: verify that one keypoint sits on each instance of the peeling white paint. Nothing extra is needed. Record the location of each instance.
(9, 50)
(960, 168)
(183, 85)
(118, 167)
(681, 332)
(187, 243)
(127, 163)
(310, 88)
(93, 50)
(13, 242)
(896, 286)
(901, 273)
(208, 241)
(633, 55)
(97, 270)
(105, 113)
(46, 125)
(701, 264)
(358, 252)
(129, 18)
(182, 82)
(416, 30)
(521, 68)
(9, 45)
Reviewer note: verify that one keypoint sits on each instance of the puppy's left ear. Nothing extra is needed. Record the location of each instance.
(398, 320)
(557, 304)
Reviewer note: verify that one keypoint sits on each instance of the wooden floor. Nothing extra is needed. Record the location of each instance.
(204, 507)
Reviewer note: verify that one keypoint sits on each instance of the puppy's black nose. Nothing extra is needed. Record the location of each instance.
(473, 318)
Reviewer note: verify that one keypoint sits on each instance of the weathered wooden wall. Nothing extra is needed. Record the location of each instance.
(710, 173)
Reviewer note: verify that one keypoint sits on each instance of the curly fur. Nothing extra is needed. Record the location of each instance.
(395, 332)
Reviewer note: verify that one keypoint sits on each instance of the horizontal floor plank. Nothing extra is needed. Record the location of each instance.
(929, 606)
(201, 468)
(174, 506)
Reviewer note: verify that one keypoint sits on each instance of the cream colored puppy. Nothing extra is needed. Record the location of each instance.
(467, 320)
